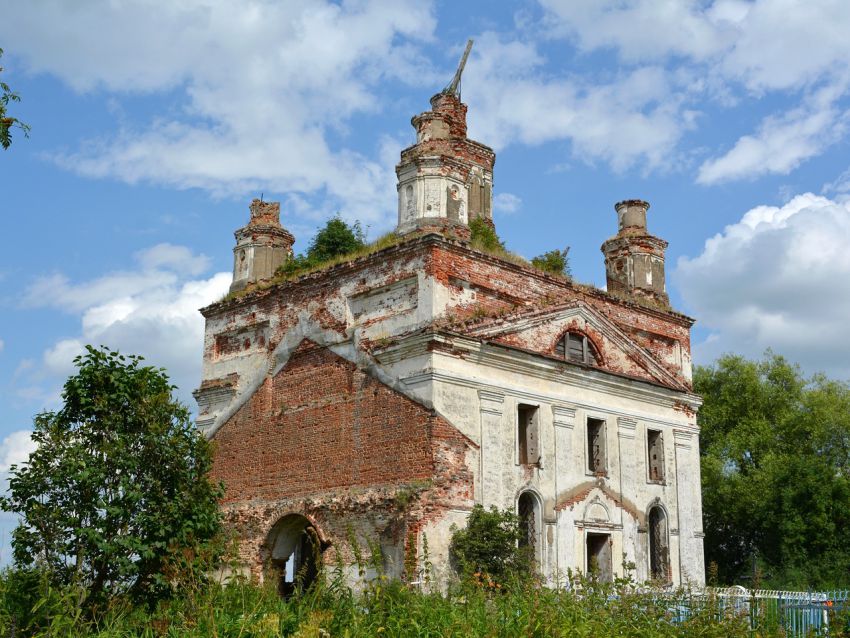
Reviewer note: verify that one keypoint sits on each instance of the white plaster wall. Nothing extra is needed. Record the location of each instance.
(481, 400)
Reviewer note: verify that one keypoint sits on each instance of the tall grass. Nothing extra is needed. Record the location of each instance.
(384, 607)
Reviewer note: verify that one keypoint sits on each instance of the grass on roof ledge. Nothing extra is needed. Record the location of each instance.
(483, 239)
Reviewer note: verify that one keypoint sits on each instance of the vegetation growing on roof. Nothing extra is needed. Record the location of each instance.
(483, 237)
(554, 262)
(339, 242)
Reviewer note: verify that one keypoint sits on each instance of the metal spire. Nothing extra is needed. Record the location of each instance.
(454, 86)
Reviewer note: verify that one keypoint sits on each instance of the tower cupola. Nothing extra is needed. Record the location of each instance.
(634, 259)
(445, 180)
(261, 246)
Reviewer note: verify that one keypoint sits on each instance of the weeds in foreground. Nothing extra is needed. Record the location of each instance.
(387, 607)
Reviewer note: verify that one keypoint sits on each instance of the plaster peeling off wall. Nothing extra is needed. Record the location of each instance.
(381, 302)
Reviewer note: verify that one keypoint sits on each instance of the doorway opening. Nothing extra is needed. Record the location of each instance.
(599, 561)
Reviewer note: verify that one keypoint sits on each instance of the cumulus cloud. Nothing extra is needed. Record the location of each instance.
(634, 118)
(781, 143)
(750, 42)
(731, 50)
(266, 89)
(776, 279)
(151, 311)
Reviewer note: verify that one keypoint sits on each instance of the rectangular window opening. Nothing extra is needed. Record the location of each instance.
(528, 435)
(596, 446)
(655, 453)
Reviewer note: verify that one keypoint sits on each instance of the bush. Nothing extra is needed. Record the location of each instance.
(335, 240)
(490, 546)
(555, 262)
(484, 237)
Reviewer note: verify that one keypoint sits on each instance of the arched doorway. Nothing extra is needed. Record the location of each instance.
(659, 551)
(528, 511)
(295, 551)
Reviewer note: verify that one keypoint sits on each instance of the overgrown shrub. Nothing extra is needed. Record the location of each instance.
(555, 262)
(489, 547)
(336, 239)
(483, 237)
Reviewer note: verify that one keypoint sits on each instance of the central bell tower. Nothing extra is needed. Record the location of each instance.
(445, 180)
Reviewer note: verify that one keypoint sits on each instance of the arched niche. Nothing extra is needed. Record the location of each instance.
(659, 544)
(531, 523)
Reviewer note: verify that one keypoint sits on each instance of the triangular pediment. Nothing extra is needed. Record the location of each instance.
(540, 330)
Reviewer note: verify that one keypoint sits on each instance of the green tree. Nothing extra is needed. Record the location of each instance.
(776, 473)
(555, 261)
(116, 498)
(335, 240)
(491, 544)
(7, 123)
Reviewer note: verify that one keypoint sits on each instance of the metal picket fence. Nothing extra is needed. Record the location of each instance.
(799, 614)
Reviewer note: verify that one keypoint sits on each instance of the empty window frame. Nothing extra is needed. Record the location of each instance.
(659, 549)
(528, 435)
(596, 461)
(576, 347)
(528, 512)
(655, 455)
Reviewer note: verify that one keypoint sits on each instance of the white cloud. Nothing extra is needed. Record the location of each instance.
(776, 279)
(15, 449)
(2, 345)
(765, 44)
(781, 144)
(642, 29)
(634, 118)
(839, 187)
(152, 312)
(506, 203)
(262, 85)
(177, 258)
(730, 50)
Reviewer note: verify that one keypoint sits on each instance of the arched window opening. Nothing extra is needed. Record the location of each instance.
(574, 346)
(527, 511)
(295, 554)
(659, 551)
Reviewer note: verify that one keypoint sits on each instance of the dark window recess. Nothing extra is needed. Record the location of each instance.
(659, 552)
(655, 451)
(528, 435)
(596, 446)
(576, 347)
(527, 511)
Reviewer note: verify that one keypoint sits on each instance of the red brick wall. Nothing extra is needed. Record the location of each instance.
(321, 424)
(496, 283)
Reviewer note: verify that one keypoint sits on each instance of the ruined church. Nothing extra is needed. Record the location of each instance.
(377, 400)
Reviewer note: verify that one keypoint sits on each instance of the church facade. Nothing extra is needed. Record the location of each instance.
(376, 401)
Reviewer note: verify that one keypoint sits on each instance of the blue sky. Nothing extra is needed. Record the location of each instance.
(154, 124)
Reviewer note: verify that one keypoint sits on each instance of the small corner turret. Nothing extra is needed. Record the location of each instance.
(261, 246)
(445, 180)
(634, 259)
